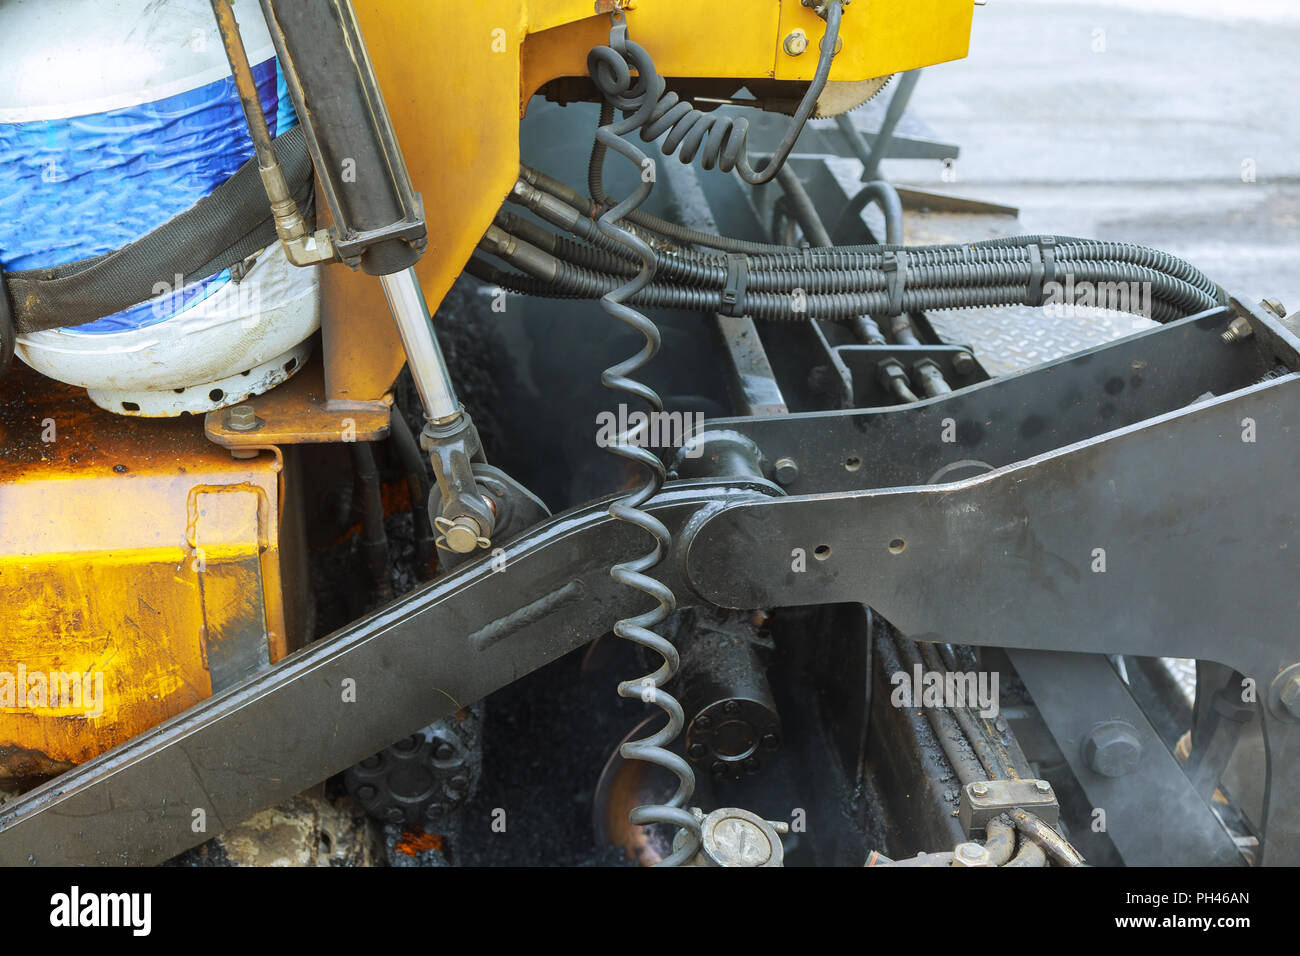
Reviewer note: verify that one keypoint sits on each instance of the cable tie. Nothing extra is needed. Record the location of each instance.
(1034, 293)
(733, 293)
(895, 267)
(1048, 246)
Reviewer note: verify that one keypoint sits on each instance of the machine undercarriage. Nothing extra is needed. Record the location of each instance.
(755, 437)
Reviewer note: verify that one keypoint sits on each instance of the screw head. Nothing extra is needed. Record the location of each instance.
(1274, 306)
(786, 471)
(1113, 748)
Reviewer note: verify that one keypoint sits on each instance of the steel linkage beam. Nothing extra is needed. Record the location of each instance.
(1171, 538)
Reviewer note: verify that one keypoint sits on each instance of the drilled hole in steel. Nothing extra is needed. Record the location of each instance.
(216, 395)
(822, 552)
(852, 463)
(131, 406)
(897, 546)
(179, 391)
(290, 365)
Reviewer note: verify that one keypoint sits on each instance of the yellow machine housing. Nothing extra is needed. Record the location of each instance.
(138, 562)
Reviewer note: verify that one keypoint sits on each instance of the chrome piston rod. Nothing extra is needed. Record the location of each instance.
(423, 354)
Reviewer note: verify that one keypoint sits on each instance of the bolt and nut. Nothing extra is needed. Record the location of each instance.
(971, 854)
(795, 43)
(1237, 330)
(963, 363)
(1113, 748)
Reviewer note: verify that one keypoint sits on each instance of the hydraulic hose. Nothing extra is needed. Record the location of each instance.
(890, 205)
(954, 266)
(802, 208)
(848, 269)
(927, 288)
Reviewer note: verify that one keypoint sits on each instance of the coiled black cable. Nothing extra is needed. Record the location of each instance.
(719, 138)
(615, 84)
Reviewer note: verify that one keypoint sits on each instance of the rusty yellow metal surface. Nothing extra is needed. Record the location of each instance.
(457, 76)
(299, 412)
(139, 565)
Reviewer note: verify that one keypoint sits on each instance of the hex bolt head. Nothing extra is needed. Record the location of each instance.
(771, 741)
(698, 750)
(1113, 748)
(731, 707)
(243, 418)
(979, 789)
(786, 471)
(1289, 696)
(1042, 786)
(963, 363)
(971, 854)
(795, 43)
(445, 751)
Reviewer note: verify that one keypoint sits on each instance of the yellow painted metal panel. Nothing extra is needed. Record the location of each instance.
(133, 551)
(457, 75)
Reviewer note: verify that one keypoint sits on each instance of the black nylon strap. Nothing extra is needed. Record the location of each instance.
(733, 294)
(1048, 246)
(895, 267)
(221, 229)
(1034, 293)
